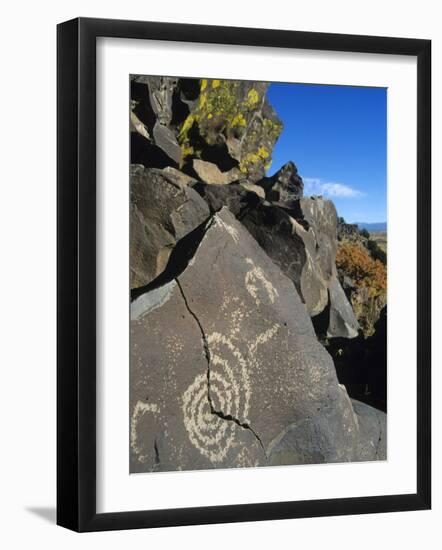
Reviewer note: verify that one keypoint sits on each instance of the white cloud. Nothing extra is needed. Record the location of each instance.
(315, 186)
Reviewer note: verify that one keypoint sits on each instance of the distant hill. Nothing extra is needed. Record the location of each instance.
(377, 226)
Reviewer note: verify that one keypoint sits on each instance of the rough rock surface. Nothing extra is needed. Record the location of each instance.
(302, 242)
(285, 186)
(234, 123)
(225, 361)
(163, 210)
(210, 173)
(235, 196)
(227, 123)
(373, 427)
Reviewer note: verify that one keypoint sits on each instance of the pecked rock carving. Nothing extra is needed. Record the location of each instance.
(224, 359)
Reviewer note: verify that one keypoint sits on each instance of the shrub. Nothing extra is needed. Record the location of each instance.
(376, 252)
(355, 261)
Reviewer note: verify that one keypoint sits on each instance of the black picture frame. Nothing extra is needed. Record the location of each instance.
(76, 274)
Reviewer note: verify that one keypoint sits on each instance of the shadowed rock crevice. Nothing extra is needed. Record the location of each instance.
(179, 259)
(213, 410)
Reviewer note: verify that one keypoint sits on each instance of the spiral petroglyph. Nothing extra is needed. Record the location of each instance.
(223, 392)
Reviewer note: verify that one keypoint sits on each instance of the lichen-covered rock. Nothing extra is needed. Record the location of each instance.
(233, 122)
(285, 187)
(225, 361)
(163, 210)
(225, 122)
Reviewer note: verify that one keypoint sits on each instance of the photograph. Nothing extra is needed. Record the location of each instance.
(258, 274)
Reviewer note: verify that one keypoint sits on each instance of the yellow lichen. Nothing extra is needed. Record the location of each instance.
(252, 98)
(225, 109)
(187, 125)
(186, 150)
(263, 153)
(238, 120)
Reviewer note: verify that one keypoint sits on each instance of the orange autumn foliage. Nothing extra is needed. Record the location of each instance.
(355, 261)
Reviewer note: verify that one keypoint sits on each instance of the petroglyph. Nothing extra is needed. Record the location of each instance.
(224, 392)
(258, 286)
(230, 230)
(140, 410)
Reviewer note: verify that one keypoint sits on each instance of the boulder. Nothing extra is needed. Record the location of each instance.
(163, 210)
(234, 196)
(285, 186)
(373, 432)
(302, 242)
(232, 125)
(225, 361)
(254, 188)
(165, 139)
(210, 173)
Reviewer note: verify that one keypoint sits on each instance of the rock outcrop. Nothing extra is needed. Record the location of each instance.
(164, 209)
(285, 187)
(227, 123)
(240, 285)
(227, 370)
(302, 242)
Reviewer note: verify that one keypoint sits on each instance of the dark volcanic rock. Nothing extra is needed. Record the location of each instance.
(285, 187)
(165, 139)
(302, 242)
(225, 360)
(232, 125)
(163, 210)
(373, 429)
(234, 196)
(273, 229)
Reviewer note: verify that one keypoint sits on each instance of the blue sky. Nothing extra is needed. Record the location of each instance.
(336, 136)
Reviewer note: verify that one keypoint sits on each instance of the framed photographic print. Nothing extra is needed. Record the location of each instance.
(243, 274)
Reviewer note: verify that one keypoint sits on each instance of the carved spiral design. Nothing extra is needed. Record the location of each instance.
(226, 391)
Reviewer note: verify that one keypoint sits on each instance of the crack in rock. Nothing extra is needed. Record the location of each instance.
(213, 410)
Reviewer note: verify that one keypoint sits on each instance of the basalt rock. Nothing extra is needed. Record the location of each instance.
(227, 123)
(302, 242)
(164, 209)
(225, 364)
(210, 173)
(234, 196)
(285, 186)
(233, 124)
